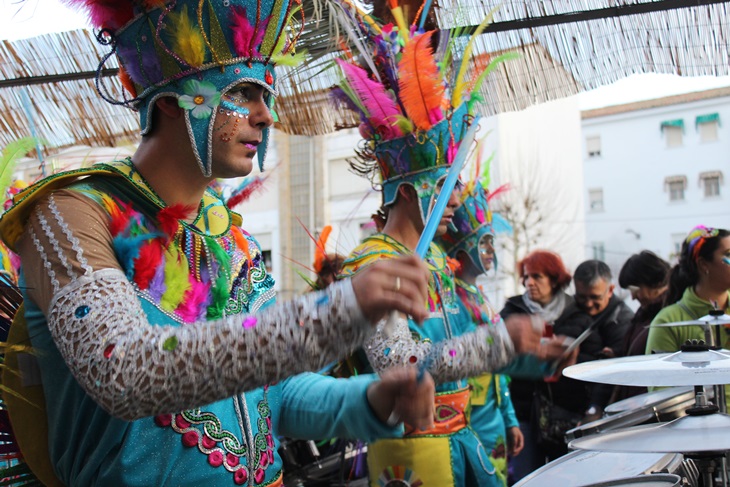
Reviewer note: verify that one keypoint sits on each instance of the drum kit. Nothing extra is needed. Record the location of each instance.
(678, 436)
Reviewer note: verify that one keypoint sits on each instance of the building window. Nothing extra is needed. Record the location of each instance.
(677, 241)
(593, 146)
(675, 186)
(266, 255)
(599, 251)
(707, 126)
(595, 200)
(711, 182)
(673, 131)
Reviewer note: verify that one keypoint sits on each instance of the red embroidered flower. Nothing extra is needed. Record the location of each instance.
(181, 423)
(190, 438)
(215, 458)
(231, 459)
(208, 442)
(240, 476)
(258, 476)
(264, 460)
(163, 420)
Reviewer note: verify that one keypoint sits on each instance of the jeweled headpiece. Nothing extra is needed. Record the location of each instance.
(410, 91)
(474, 219)
(195, 50)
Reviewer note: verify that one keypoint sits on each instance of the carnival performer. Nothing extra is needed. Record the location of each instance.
(141, 287)
(470, 241)
(413, 126)
(698, 284)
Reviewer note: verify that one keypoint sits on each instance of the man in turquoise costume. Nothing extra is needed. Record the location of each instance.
(469, 240)
(150, 309)
(415, 106)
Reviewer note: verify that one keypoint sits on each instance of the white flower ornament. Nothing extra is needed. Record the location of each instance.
(200, 97)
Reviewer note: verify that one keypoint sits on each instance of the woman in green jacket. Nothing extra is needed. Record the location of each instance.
(698, 284)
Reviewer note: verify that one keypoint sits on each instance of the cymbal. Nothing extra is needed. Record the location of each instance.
(663, 369)
(688, 434)
(703, 321)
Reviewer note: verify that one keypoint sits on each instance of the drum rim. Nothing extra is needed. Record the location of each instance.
(663, 461)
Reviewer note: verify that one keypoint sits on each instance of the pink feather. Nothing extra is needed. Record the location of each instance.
(246, 38)
(110, 14)
(497, 192)
(195, 302)
(382, 109)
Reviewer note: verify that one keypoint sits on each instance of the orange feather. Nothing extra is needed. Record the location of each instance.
(320, 251)
(421, 87)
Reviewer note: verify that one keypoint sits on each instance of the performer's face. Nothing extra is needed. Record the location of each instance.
(486, 251)
(451, 206)
(241, 117)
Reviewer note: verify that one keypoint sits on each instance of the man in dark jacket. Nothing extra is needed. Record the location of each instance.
(611, 320)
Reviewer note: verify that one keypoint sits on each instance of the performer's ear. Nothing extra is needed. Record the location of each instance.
(407, 192)
(168, 106)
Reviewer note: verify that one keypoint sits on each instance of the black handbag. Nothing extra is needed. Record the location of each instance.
(552, 421)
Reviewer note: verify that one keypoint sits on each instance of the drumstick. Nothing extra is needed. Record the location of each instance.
(434, 218)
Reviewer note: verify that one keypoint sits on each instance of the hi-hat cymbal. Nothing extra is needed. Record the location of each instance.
(688, 434)
(664, 369)
(705, 320)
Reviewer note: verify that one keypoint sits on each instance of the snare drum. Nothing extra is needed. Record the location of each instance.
(654, 480)
(582, 468)
(664, 404)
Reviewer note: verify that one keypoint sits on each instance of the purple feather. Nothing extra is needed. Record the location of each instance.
(342, 100)
(143, 66)
(157, 284)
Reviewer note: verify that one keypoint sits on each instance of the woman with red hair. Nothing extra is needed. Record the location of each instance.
(545, 278)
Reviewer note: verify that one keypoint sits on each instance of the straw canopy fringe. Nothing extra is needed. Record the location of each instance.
(565, 46)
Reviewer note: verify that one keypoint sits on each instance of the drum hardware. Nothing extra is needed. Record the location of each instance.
(651, 407)
(702, 436)
(708, 323)
(669, 399)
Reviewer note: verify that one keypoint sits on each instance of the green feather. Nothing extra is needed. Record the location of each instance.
(492, 65)
(222, 283)
(176, 279)
(12, 152)
(289, 59)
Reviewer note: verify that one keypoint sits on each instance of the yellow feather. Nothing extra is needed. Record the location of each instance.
(187, 40)
(458, 92)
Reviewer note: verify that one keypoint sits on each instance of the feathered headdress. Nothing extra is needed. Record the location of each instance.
(195, 50)
(473, 219)
(412, 94)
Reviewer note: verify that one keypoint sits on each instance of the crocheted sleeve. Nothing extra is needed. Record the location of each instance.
(486, 349)
(134, 368)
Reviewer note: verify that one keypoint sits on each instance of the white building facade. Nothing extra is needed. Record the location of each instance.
(652, 171)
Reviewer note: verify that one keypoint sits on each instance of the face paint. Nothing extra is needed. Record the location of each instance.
(726, 260)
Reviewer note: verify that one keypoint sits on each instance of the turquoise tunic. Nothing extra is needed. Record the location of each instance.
(421, 459)
(230, 442)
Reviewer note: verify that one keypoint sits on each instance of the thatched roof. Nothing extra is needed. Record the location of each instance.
(567, 46)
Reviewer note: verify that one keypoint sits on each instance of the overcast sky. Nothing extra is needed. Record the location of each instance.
(27, 18)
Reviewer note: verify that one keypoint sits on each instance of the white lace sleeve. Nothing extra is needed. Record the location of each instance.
(487, 349)
(133, 369)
